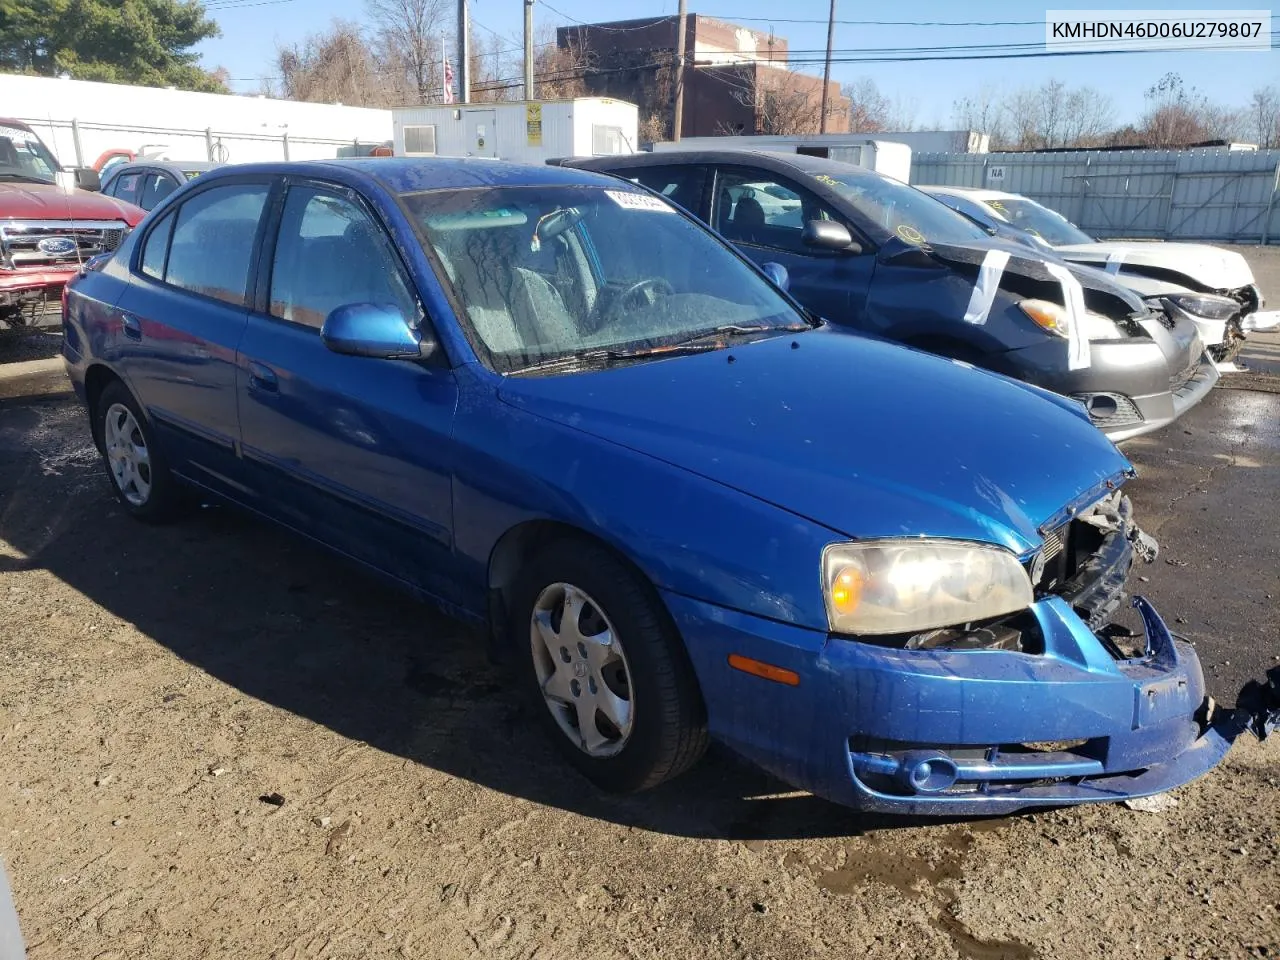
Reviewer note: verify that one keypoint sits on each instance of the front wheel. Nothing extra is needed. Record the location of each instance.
(617, 691)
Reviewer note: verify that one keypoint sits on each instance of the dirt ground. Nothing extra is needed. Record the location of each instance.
(158, 683)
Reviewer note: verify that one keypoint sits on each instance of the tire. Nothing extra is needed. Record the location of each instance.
(135, 465)
(642, 666)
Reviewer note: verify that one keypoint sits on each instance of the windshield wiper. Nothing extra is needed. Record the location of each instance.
(700, 342)
(602, 357)
(26, 177)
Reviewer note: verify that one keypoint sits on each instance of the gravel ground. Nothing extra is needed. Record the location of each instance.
(158, 683)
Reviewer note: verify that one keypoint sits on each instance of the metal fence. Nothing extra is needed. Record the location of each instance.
(83, 142)
(1222, 195)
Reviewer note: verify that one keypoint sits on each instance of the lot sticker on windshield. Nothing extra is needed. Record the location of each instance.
(638, 201)
(911, 235)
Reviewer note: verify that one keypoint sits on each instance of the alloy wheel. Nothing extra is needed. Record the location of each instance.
(582, 670)
(127, 454)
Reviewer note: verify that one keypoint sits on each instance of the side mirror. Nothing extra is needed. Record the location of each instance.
(778, 274)
(87, 178)
(377, 330)
(829, 235)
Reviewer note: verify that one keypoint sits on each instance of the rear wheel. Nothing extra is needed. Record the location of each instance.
(138, 472)
(604, 660)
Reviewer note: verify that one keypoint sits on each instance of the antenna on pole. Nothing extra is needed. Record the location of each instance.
(826, 70)
(677, 119)
(464, 53)
(528, 49)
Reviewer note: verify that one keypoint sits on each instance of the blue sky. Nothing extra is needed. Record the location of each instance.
(252, 30)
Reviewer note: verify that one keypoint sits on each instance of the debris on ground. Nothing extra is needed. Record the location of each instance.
(1159, 803)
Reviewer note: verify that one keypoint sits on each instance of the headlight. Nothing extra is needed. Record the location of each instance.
(1205, 305)
(905, 586)
(1053, 318)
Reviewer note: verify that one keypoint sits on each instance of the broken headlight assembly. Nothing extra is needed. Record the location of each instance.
(888, 587)
(1053, 318)
(1204, 305)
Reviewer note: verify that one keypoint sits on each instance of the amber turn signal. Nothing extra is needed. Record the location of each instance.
(758, 668)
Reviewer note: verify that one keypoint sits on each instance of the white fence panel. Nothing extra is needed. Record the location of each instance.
(1220, 195)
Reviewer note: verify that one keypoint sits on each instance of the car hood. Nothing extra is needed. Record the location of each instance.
(1030, 263)
(48, 201)
(867, 438)
(1209, 266)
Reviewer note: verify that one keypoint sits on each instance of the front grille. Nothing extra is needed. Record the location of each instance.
(55, 243)
(1109, 410)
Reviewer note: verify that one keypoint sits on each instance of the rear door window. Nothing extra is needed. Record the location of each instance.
(156, 187)
(680, 184)
(213, 241)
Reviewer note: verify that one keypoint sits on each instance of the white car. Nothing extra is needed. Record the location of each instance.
(1215, 287)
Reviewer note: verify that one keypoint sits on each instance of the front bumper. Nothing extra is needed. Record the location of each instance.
(1132, 376)
(23, 286)
(943, 732)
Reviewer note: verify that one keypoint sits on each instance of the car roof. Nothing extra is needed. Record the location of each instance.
(176, 166)
(974, 193)
(417, 174)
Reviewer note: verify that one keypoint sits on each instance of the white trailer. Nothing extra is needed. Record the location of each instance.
(883, 156)
(80, 120)
(530, 131)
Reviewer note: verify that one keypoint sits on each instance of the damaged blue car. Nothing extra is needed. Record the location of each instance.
(566, 412)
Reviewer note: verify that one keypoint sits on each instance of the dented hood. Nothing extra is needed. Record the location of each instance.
(864, 437)
(1206, 266)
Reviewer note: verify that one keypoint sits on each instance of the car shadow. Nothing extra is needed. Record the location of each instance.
(285, 622)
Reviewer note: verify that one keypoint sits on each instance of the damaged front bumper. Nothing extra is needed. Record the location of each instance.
(958, 732)
(1076, 711)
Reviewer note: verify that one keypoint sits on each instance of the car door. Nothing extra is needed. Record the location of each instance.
(763, 214)
(354, 451)
(181, 317)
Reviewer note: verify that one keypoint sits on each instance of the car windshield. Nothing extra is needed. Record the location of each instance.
(24, 157)
(901, 210)
(547, 273)
(1049, 225)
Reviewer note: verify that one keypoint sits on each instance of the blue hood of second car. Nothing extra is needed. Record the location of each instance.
(864, 437)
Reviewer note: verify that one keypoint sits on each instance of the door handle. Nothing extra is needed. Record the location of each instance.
(131, 326)
(262, 377)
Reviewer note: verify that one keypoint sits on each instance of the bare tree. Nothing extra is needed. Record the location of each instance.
(1264, 117)
(334, 66)
(559, 72)
(869, 109)
(984, 112)
(1178, 115)
(1089, 118)
(409, 36)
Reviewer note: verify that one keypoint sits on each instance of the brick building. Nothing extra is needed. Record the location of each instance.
(736, 78)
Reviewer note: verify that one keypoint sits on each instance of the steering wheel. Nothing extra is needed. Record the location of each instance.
(651, 288)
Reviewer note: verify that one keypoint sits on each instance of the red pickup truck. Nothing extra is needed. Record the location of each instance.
(47, 229)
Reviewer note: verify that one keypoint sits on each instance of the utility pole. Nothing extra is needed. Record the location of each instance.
(826, 71)
(464, 53)
(528, 49)
(678, 117)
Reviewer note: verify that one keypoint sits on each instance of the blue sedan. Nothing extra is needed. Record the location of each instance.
(563, 410)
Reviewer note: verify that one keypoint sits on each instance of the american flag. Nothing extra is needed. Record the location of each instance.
(448, 81)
